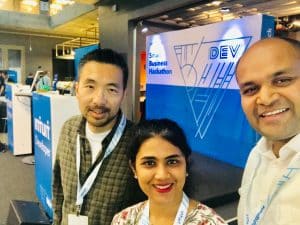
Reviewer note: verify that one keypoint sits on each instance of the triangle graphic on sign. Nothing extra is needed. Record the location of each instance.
(207, 76)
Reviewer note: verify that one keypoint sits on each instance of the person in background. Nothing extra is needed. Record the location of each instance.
(44, 82)
(3, 81)
(159, 158)
(268, 75)
(2, 84)
(91, 177)
(29, 79)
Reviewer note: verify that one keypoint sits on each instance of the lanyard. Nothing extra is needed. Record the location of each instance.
(291, 170)
(84, 189)
(180, 216)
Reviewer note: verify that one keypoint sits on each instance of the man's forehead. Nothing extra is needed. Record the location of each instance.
(273, 45)
(272, 49)
(94, 67)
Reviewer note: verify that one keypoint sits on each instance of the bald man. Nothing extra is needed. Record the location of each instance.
(268, 75)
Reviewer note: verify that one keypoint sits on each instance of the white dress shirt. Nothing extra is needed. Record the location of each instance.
(261, 175)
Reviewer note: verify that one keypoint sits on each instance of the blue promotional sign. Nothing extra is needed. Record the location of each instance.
(12, 76)
(79, 53)
(9, 111)
(191, 79)
(42, 149)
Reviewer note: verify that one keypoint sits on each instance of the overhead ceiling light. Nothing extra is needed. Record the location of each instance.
(178, 19)
(1, 3)
(228, 16)
(252, 10)
(191, 9)
(214, 3)
(56, 6)
(65, 2)
(144, 29)
(290, 3)
(212, 12)
(32, 3)
(224, 10)
(170, 21)
(237, 5)
(184, 24)
(202, 16)
(267, 13)
(30, 47)
(164, 17)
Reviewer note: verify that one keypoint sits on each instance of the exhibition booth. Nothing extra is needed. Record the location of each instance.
(50, 111)
(34, 120)
(18, 106)
(190, 79)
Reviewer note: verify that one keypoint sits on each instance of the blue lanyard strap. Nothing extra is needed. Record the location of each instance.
(180, 216)
(84, 189)
(289, 173)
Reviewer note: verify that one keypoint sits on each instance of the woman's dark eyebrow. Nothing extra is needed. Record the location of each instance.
(173, 156)
(168, 157)
(148, 158)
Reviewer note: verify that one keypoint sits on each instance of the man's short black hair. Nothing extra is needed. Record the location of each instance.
(108, 56)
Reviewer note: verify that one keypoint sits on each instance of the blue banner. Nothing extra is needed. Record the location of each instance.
(43, 150)
(191, 79)
(10, 122)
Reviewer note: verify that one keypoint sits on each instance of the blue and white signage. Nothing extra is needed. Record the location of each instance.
(42, 149)
(50, 111)
(18, 115)
(191, 79)
(9, 111)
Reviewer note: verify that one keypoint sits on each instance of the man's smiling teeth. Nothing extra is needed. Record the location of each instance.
(163, 186)
(274, 112)
(99, 111)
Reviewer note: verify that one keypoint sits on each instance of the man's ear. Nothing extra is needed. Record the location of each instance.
(76, 87)
(133, 169)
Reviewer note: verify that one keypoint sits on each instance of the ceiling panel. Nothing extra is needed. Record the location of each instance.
(206, 12)
(86, 25)
(199, 13)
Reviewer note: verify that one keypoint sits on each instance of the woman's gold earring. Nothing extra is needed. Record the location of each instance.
(135, 176)
(187, 175)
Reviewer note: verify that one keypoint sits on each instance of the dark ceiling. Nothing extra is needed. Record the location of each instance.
(206, 12)
(127, 4)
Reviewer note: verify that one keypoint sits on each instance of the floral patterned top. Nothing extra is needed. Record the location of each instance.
(201, 215)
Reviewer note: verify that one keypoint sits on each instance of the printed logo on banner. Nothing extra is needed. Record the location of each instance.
(214, 72)
(43, 129)
(157, 60)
